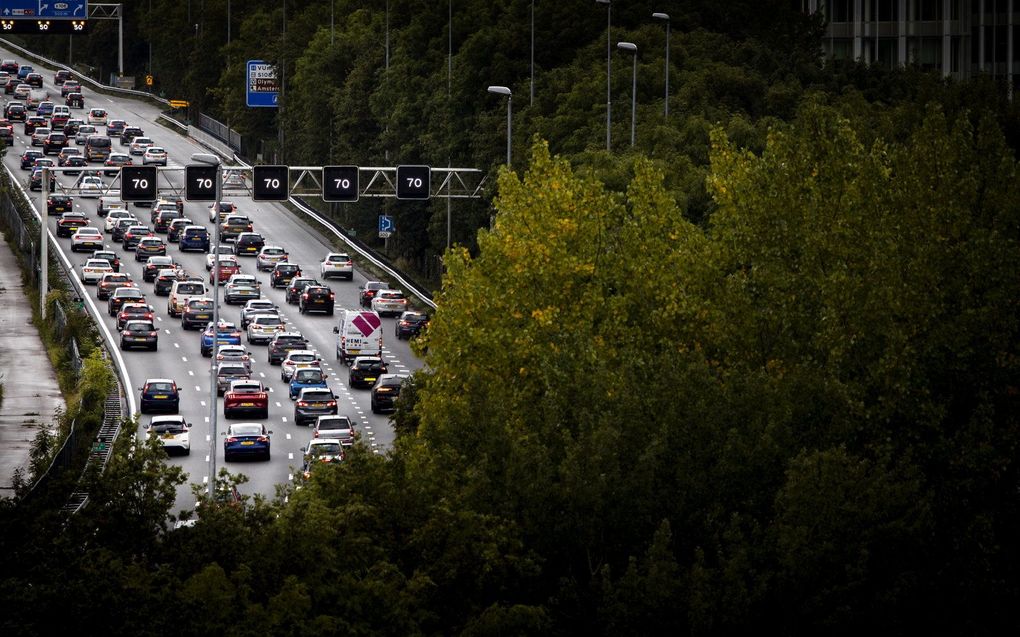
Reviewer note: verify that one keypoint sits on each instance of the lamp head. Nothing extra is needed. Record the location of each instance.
(627, 46)
(500, 90)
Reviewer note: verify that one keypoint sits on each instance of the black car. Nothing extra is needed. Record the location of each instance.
(312, 403)
(15, 111)
(28, 158)
(297, 286)
(284, 342)
(34, 79)
(117, 234)
(60, 76)
(365, 370)
(154, 265)
(129, 133)
(283, 274)
(316, 298)
(163, 219)
(368, 291)
(33, 122)
(248, 243)
(411, 324)
(57, 204)
(74, 161)
(160, 394)
(133, 235)
(386, 392)
(120, 296)
(197, 313)
(164, 281)
(139, 334)
(110, 256)
(54, 143)
(35, 181)
(176, 227)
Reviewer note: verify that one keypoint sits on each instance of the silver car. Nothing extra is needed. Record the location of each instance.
(229, 371)
(263, 327)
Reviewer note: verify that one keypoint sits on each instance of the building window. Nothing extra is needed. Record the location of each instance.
(840, 10)
(888, 10)
(929, 10)
(842, 49)
(929, 54)
(954, 54)
(954, 9)
(887, 49)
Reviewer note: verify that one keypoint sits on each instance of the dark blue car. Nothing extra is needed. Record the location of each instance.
(246, 439)
(194, 238)
(307, 378)
(160, 394)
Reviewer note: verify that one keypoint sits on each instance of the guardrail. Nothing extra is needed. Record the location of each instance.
(99, 86)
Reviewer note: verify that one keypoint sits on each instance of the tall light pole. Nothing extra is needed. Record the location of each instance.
(213, 160)
(502, 90)
(631, 47)
(665, 16)
(449, 108)
(532, 102)
(609, 71)
(44, 243)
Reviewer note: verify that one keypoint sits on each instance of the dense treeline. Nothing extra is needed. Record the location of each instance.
(761, 374)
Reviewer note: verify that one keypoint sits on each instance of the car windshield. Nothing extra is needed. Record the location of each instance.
(246, 430)
(286, 268)
(190, 288)
(268, 320)
(309, 376)
(247, 389)
(159, 387)
(334, 422)
(372, 366)
(232, 370)
(272, 252)
(200, 305)
(140, 326)
(302, 358)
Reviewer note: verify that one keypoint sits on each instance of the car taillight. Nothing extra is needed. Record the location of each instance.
(148, 315)
(405, 324)
(305, 296)
(332, 295)
(302, 403)
(153, 333)
(231, 439)
(263, 439)
(331, 403)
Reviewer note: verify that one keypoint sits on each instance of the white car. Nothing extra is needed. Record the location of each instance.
(88, 239)
(172, 431)
(97, 117)
(154, 155)
(139, 144)
(22, 91)
(84, 131)
(263, 327)
(93, 269)
(298, 358)
(269, 256)
(389, 302)
(210, 258)
(321, 450)
(90, 186)
(114, 216)
(337, 264)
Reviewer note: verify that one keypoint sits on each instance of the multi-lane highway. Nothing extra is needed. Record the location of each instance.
(178, 356)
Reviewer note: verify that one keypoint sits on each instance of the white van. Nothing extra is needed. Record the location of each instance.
(181, 293)
(358, 334)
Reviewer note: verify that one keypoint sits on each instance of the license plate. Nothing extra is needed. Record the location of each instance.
(317, 405)
(202, 316)
(319, 301)
(247, 404)
(247, 443)
(160, 396)
(370, 379)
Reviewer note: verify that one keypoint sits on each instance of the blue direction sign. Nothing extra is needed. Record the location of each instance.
(263, 88)
(35, 9)
(386, 226)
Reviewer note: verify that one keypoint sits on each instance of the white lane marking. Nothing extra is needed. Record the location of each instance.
(205, 479)
(167, 331)
(159, 318)
(203, 403)
(278, 404)
(207, 457)
(284, 419)
(262, 374)
(288, 436)
(208, 438)
(177, 345)
(184, 358)
(207, 418)
(197, 388)
(191, 373)
(290, 455)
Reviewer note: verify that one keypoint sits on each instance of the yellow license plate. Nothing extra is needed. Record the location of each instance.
(318, 404)
(160, 396)
(247, 443)
(247, 404)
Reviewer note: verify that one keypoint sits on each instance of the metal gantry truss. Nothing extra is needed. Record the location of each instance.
(305, 181)
(379, 181)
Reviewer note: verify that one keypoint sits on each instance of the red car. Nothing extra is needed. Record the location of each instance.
(246, 396)
(227, 267)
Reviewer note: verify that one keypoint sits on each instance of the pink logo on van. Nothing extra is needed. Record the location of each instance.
(366, 323)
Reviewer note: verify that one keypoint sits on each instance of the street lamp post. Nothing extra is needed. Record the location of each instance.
(630, 46)
(532, 102)
(502, 90)
(665, 16)
(213, 160)
(609, 71)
